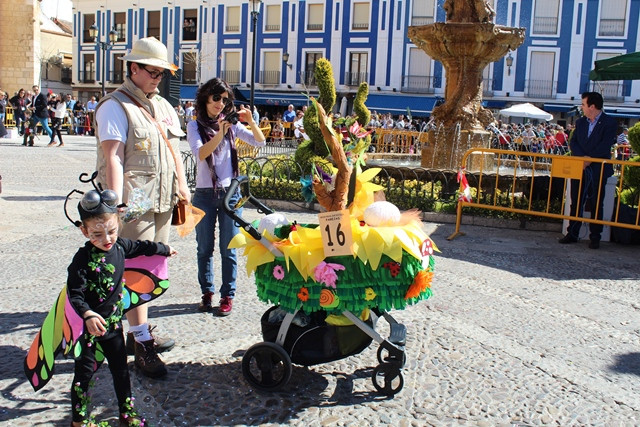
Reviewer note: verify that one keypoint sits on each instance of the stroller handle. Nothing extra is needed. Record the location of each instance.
(242, 181)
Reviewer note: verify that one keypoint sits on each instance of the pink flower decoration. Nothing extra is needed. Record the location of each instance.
(358, 131)
(326, 273)
(278, 272)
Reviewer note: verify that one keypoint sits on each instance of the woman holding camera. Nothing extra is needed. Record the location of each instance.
(212, 140)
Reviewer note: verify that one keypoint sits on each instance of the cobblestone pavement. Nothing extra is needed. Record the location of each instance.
(520, 330)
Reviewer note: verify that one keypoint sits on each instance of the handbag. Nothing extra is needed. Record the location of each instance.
(179, 214)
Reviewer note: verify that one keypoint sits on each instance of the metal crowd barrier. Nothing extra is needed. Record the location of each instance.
(539, 184)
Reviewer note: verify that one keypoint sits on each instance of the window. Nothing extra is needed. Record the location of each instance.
(541, 75)
(358, 69)
(233, 19)
(360, 16)
(273, 17)
(309, 67)
(270, 75)
(87, 21)
(422, 13)
(153, 24)
(118, 69)
(231, 67)
(88, 72)
(189, 25)
(613, 16)
(120, 25)
(545, 17)
(189, 67)
(315, 17)
(419, 78)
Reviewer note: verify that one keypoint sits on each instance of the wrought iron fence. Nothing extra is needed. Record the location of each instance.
(541, 88)
(278, 178)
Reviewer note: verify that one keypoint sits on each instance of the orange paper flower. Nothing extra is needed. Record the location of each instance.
(420, 283)
(303, 295)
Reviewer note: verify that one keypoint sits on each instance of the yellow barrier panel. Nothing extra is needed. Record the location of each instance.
(525, 183)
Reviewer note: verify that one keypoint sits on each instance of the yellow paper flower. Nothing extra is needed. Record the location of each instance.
(369, 294)
(364, 192)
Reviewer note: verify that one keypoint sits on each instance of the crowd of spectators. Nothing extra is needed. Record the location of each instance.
(75, 116)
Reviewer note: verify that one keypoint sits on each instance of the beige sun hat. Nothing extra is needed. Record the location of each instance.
(149, 51)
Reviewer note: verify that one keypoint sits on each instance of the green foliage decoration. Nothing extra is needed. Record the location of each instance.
(327, 98)
(634, 137)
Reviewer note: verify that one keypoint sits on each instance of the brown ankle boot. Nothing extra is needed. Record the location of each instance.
(147, 360)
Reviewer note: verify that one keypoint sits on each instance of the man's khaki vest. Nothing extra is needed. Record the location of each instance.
(148, 163)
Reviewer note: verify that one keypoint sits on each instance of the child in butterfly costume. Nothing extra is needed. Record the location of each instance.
(95, 293)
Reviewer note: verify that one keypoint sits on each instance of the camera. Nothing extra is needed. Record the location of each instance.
(232, 117)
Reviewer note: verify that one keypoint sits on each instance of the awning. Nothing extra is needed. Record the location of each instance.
(631, 114)
(561, 108)
(188, 92)
(621, 67)
(281, 99)
(493, 103)
(398, 104)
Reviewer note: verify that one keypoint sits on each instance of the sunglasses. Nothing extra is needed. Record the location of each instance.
(155, 74)
(218, 97)
(92, 199)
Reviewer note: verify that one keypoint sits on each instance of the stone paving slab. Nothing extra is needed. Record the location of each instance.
(520, 330)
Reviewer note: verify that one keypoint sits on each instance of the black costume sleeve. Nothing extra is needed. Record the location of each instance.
(78, 272)
(135, 248)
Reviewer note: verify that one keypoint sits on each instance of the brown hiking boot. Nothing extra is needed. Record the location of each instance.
(147, 360)
(162, 344)
(205, 304)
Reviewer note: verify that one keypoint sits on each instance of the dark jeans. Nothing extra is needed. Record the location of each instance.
(116, 354)
(591, 184)
(56, 124)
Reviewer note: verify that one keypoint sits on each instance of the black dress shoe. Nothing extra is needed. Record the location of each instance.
(594, 244)
(567, 239)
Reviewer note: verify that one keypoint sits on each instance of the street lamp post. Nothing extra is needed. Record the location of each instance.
(113, 36)
(255, 11)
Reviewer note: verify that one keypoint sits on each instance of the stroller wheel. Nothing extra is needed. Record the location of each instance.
(384, 356)
(387, 379)
(266, 366)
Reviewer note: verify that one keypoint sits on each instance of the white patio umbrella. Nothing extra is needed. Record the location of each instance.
(526, 110)
(343, 106)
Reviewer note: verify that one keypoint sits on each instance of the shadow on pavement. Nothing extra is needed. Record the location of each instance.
(628, 363)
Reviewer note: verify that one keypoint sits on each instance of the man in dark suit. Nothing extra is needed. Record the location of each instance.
(594, 135)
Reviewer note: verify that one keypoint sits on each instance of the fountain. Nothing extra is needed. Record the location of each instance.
(465, 44)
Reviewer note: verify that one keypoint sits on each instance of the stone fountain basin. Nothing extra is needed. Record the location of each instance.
(486, 42)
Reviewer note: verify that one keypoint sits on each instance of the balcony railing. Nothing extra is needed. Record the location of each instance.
(273, 27)
(610, 91)
(87, 76)
(66, 75)
(268, 77)
(545, 25)
(309, 78)
(611, 27)
(418, 84)
(421, 20)
(231, 76)
(541, 88)
(354, 79)
(117, 76)
(314, 27)
(360, 26)
(232, 28)
(189, 76)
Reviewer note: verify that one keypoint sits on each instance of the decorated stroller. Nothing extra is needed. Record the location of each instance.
(326, 307)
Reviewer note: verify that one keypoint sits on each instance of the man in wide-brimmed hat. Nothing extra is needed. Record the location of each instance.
(138, 134)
